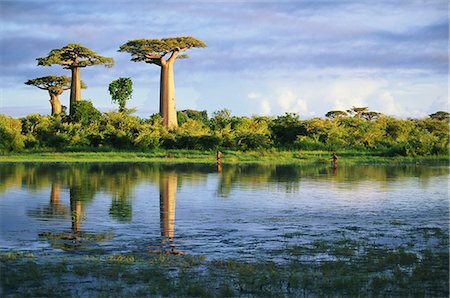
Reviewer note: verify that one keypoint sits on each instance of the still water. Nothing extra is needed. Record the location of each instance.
(249, 212)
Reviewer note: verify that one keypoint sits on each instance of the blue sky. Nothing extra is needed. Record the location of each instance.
(263, 57)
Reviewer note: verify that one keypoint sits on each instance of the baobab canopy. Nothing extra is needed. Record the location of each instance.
(152, 50)
(53, 84)
(74, 55)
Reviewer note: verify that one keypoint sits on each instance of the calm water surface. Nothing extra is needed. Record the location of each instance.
(249, 212)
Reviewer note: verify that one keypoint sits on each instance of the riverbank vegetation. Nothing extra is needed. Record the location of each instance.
(264, 156)
(347, 268)
(87, 129)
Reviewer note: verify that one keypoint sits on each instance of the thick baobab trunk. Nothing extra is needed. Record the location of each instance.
(56, 104)
(75, 87)
(167, 107)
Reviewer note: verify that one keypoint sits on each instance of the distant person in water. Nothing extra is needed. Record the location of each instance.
(219, 161)
(219, 157)
(335, 159)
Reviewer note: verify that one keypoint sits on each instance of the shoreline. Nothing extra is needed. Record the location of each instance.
(229, 157)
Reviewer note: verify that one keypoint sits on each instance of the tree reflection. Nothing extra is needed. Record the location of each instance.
(79, 196)
(120, 179)
(55, 208)
(168, 183)
(167, 203)
(81, 182)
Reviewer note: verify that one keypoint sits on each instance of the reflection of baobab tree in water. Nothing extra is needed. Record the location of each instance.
(55, 209)
(167, 203)
(75, 238)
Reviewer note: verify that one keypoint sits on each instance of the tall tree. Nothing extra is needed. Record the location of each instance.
(336, 114)
(73, 57)
(121, 90)
(153, 51)
(370, 115)
(357, 112)
(55, 85)
(440, 115)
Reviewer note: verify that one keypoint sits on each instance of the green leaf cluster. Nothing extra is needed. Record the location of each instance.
(53, 84)
(121, 90)
(11, 138)
(149, 49)
(74, 55)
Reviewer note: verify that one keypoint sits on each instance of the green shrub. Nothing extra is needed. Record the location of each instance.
(11, 138)
(149, 137)
(308, 143)
(84, 112)
(253, 141)
(45, 131)
(119, 130)
(285, 129)
(205, 142)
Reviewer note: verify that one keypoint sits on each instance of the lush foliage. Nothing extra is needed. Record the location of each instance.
(74, 55)
(88, 128)
(121, 90)
(11, 138)
(153, 50)
(54, 84)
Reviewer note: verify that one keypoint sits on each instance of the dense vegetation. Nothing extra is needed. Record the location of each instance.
(88, 128)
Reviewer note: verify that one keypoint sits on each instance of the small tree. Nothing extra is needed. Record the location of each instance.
(121, 90)
(440, 115)
(286, 128)
(74, 57)
(153, 51)
(55, 85)
(336, 114)
(357, 112)
(370, 115)
(84, 112)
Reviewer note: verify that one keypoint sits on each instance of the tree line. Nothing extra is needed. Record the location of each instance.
(356, 129)
(83, 126)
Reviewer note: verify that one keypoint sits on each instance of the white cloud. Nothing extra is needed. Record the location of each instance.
(388, 105)
(439, 104)
(253, 95)
(350, 92)
(289, 102)
(265, 108)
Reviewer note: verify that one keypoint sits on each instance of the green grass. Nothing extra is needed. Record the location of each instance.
(376, 271)
(229, 157)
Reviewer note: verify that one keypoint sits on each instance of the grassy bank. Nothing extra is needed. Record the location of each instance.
(350, 269)
(228, 157)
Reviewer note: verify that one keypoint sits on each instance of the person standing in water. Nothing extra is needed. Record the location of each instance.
(335, 159)
(219, 160)
(219, 156)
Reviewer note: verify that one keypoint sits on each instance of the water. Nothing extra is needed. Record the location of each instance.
(247, 212)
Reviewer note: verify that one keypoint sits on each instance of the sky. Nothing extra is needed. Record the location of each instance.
(262, 57)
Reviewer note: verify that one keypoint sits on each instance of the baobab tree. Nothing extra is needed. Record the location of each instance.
(153, 51)
(55, 85)
(357, 112)
(336, 114)
(73, 57)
